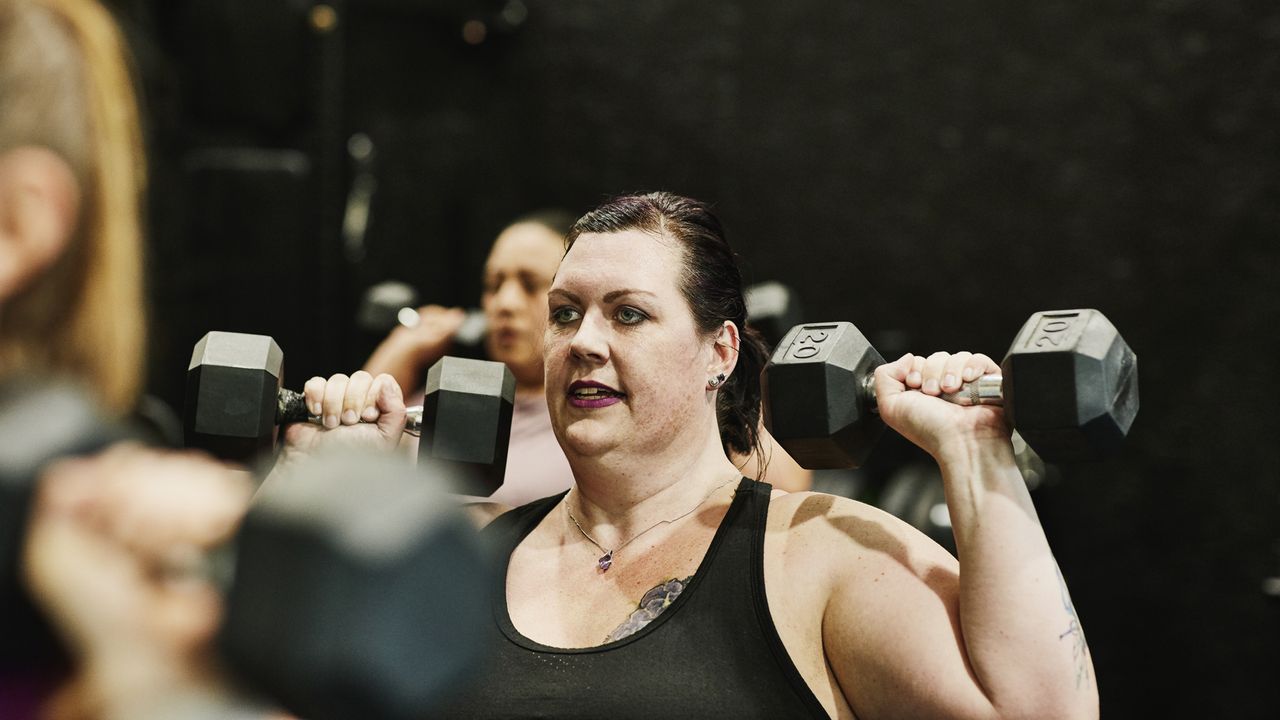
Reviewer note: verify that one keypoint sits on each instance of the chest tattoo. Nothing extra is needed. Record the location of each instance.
(651, 606)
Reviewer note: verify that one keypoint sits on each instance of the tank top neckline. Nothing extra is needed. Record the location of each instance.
(502, 616)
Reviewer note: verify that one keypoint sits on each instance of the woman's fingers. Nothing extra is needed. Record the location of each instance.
(335, 394)
(914, 377)
(359, 398)
(931, 375)
(940, 372)
(313, 391)
(953, 368)
(385, 395)
(355, 399)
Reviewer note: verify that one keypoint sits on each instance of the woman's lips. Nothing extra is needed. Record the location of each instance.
(596, 402)
(506, 336)
(589, 394)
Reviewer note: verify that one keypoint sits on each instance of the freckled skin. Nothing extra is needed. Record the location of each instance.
(591, 339)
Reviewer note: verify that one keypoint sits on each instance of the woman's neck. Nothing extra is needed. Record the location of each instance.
(619, 496)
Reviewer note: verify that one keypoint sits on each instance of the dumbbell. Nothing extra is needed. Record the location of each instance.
(392, 303)
(341, 599)
(1069, 386)
(356, 590)
(235, 401)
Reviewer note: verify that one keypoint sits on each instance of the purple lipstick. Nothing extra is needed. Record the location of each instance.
(590, 394)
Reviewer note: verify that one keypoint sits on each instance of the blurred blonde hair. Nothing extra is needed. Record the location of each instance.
(65, 84)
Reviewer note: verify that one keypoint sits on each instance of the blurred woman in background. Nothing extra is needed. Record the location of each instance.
(71, 307)
(517, 274)
(71, 183)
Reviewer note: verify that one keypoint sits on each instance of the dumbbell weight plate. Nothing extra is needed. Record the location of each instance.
(818, 406)
(1071, 385)
(233, 382)
(356, 590)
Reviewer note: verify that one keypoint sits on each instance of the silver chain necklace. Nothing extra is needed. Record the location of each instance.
(605, 561)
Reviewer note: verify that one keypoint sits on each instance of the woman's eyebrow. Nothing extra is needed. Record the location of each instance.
(609, 297)
(567, 295)
(614, 295)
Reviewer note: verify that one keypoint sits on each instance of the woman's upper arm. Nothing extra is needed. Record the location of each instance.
(891, 628)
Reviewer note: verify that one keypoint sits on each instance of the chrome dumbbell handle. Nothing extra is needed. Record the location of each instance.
(986, 390)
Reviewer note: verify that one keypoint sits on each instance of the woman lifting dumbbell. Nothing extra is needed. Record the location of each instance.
(517, 274)
(71, 181)
(665, 582)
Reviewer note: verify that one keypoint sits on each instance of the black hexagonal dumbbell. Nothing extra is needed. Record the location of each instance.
(1069, 386)
(353, 599)
(342, 599)
(235, 401)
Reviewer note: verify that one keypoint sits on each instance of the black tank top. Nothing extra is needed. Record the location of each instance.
(713, 653)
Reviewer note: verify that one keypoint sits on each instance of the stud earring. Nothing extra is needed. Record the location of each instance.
(716, 381)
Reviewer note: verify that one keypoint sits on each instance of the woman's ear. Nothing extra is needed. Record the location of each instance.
(39, 205)
(725, 349)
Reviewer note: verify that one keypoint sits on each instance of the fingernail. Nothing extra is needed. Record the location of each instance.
(913, 378)
(969, 374)
(331, 421)
(949, 380)
(370, 414)
(315, 409)
(349, 417)
(931, 385)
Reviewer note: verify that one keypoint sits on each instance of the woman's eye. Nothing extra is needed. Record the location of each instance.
(630, 316)
(563, 315)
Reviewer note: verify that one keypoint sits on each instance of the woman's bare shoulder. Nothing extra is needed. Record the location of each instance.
(834, 529)
(799, 508)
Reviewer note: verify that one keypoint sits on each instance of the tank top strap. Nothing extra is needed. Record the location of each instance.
(732, 549)
(734, 589)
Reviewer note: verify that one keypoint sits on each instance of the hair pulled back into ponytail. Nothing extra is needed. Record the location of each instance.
(712, 287)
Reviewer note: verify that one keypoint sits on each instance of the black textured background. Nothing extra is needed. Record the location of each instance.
(934, 172)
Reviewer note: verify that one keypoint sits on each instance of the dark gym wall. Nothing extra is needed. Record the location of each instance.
(934, 172)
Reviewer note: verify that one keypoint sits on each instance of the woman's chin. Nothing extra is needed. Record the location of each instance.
(586, 438)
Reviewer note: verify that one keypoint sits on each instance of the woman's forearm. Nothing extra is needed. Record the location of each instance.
(1021, 631)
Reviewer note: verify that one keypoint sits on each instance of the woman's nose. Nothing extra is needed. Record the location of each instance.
(590, 339)
(508, 297)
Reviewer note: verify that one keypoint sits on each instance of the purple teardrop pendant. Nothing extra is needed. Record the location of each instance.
(605, 561)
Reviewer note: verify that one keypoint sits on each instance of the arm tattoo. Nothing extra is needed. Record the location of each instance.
(651, 606)
(1080, 647)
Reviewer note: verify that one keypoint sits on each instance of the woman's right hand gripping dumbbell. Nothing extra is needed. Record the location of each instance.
(359, 410)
